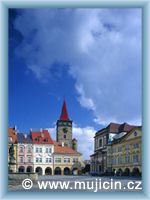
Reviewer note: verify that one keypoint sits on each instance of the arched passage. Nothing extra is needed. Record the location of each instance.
(136, 172)
(57, 171)
(48, 171)
(119, 172)
(38, 170)
(66, 171)
(126, 172)
(21, 169)
(29, 169)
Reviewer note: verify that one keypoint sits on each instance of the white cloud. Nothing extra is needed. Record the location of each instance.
(84, 101)
(84, 136)
(102, 48)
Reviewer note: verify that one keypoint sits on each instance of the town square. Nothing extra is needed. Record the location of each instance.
(74, 103)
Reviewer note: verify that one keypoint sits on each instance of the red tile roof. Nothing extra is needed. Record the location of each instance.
(12, 134)
(64, 113)
(118, 128)
(59, 149)
(41, 137)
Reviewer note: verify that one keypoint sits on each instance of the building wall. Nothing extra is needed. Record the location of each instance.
(75, 161)
(126, 154)
(99, 159)
(43, 156)
(25, 156)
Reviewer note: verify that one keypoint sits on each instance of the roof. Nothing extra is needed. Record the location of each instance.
(24, 138)
(126, 135)
(41, 137)
(59, 149)
(12, 133)
(117, 128)
(64, 113)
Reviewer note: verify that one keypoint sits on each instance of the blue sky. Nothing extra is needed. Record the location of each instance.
(92, 57)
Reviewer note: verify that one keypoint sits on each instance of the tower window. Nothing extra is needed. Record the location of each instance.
(64, 136)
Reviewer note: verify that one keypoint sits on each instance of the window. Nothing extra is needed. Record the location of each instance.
(75, 160)
(114, 161)
(119, 149)
(66, 160)
(29, 159)
(127, 159)
(38, 159)
(100, 142)
(21, 159)
(48, 160)
(127, 147)
(48, 150)
(104, 140)
(119, 160)
(135, 146)
(135, 158)
(40, 150)
(114, 150)
(58, 160)
(29, 149)
(37, 150)
(64, 136)
(135, 134)
(21, 149)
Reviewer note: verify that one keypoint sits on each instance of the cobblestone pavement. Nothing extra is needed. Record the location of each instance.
(89, 184)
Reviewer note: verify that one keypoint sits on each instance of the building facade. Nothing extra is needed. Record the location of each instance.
(101, 140)
(24, 153)
(43, 149)
(67, 161)
(124, 155)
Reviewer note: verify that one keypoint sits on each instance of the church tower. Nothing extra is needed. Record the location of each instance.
(64, 127)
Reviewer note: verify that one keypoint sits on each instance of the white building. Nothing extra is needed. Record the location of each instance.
(43, 149)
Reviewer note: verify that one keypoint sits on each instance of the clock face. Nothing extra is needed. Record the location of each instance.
(65, 130)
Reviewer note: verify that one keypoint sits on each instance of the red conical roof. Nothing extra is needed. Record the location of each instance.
(64, 114)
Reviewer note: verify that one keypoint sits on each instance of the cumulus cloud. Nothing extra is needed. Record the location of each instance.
(102, 48)
(84, 136)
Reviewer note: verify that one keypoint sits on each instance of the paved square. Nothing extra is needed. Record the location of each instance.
(84, 184)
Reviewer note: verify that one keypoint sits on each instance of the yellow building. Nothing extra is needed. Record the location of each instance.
(124, 155)
(67, 161)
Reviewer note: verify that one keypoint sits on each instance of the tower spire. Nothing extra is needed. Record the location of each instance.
(64, 113)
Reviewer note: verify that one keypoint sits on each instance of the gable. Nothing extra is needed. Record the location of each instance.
(134, 134)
